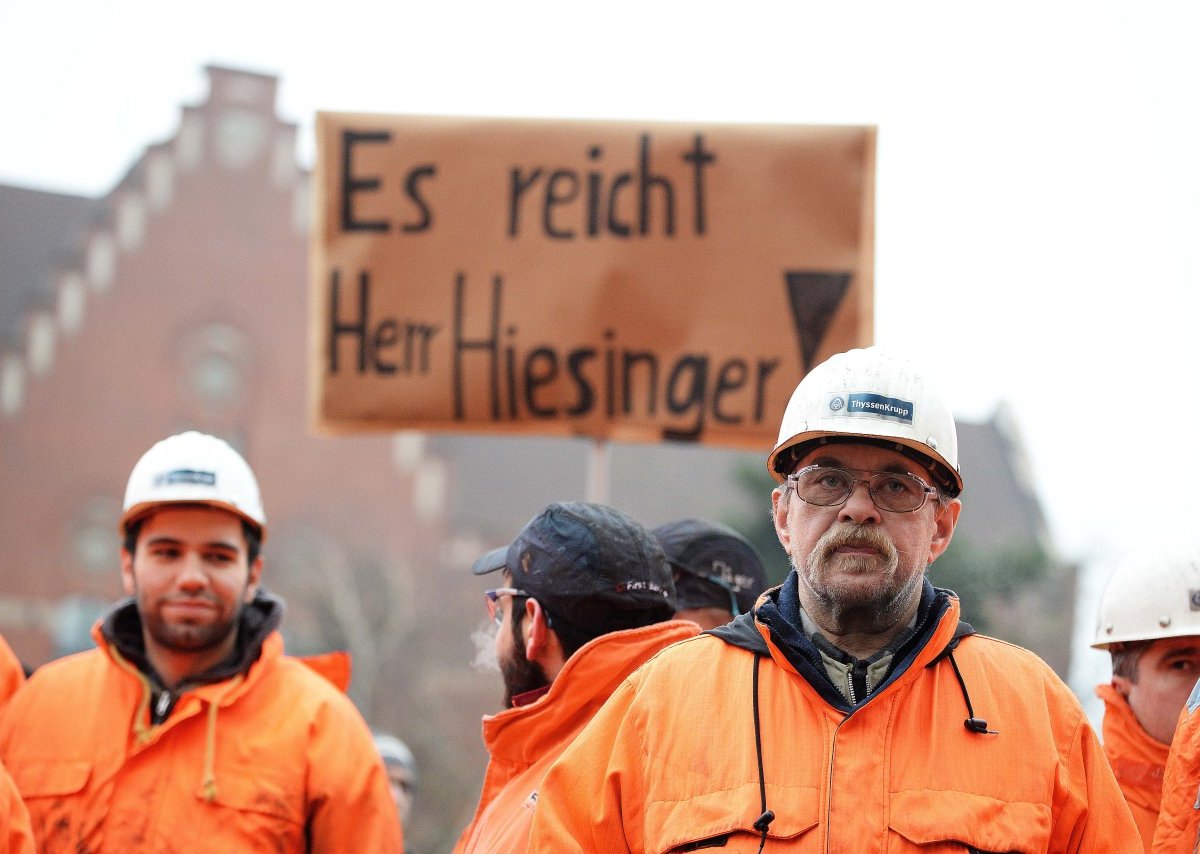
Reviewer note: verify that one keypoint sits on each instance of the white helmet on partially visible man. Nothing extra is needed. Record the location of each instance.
(1152, 594)
(193, 468)
(873, 395)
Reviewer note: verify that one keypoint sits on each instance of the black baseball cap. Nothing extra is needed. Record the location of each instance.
(713, 561)
(584, 561)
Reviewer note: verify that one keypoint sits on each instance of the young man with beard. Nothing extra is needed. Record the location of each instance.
(852, 710)
(187, 729)
(584, 594)
(1149, 622)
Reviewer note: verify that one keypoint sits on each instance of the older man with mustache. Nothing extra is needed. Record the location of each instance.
(852, 710)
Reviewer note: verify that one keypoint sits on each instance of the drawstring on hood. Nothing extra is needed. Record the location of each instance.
(743, 633)
(972, 723)
(209, 784)
(210, 748)
(763, 822)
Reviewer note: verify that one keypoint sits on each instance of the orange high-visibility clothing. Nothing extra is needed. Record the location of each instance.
(523, 741)
(12, 675)
(1137, 760)
(273, 759)
(16, 836)
(672, 762)
(1178, 828)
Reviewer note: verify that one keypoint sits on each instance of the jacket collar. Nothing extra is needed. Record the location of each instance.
(774, 628)
(121, 630)
(1137, 760)
(526, 733)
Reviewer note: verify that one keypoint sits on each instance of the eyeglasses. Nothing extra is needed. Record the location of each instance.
(492, 595)
(894, 492)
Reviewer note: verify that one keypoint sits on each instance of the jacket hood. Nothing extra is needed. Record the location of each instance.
(777, 615)
(121, 628)
(523, 734)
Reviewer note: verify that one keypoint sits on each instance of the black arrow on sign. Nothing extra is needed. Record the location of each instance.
(814, 296)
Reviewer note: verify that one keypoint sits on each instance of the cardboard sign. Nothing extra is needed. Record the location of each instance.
(636, 281)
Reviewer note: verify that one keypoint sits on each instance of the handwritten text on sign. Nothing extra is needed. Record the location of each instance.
(621, 280)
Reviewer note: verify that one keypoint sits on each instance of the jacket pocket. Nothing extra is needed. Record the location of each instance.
(961, 822)
(723, 821)
(259, 794)
(51, 778)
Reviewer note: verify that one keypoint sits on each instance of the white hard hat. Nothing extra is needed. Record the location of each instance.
(193, 468)
(1152, 594)
(875, 395)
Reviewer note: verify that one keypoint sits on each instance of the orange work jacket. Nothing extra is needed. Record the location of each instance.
(1137, 760)
(1178, 828)
(12, 675)
(16, 836)
(523, 741)
(688, 755)
(275, 759)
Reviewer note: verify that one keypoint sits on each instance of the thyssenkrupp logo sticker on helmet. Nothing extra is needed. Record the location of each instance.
(869, 405)
(170, 478)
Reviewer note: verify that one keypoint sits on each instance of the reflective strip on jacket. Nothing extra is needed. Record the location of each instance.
(670, 762)
(275, 760)
(1178, 828)
(1137, 760)
(523, 741)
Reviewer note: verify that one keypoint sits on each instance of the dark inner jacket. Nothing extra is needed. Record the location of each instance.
(781, 614)
(122, 627)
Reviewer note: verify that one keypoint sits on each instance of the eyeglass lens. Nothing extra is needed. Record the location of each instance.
(490, 597)
(825, 487)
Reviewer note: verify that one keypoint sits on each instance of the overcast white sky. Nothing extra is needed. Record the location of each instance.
(1038, 175)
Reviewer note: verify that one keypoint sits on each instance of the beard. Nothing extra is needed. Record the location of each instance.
(874, 586)
(188, 636)
(519, 673)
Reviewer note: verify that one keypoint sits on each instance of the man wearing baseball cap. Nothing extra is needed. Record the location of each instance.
(851, 710)
(187, 728)
(585, 597)
(718, 573)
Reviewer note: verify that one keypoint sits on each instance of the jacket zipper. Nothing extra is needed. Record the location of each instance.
(829, 784)
(164, 703)
(866, 676)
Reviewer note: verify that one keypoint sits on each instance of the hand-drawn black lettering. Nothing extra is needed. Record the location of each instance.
(535, 378)
(732, 376)
(352, 185)
(554, 198)
(587, 397)
(646, 181)
(545, 381)
(373, 340)
(411, 189)
(699, 158)
(488, 345)
(355, 328)
(613, 204)
(519, 183)
(691, 368)
(628, 381)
